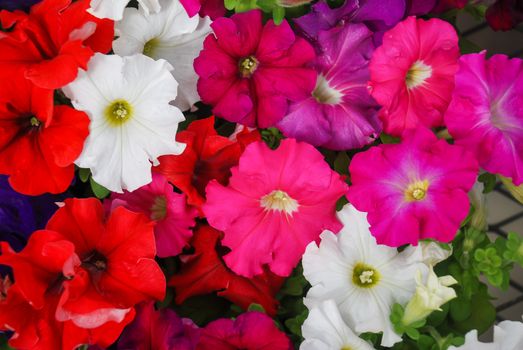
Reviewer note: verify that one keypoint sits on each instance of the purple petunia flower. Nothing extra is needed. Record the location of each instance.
(340, 114)
(12, 5)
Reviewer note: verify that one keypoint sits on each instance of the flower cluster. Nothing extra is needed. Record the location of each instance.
(176, 176)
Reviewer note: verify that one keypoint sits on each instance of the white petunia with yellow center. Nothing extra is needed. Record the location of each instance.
(363, 278)
(169, 34)
(132, 123)
(324, 329)
(114, 9)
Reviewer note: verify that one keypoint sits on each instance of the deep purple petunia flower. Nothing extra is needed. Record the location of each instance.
(159, 330)
(12, 5)
(378, 15)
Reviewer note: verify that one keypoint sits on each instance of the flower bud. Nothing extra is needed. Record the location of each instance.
(428, 297)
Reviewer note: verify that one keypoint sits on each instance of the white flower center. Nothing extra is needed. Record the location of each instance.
(417, 74)
(324, 93)
(279, 201)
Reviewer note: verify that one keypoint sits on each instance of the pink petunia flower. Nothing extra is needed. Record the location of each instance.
(276, 203)
(340, 114)
(251, 330)
(412, 74)
(413, 190)
(168, 209)
(486, 112)
(250, 72)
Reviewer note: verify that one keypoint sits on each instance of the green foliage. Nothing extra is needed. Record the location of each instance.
(410, 330)
(98, 190)
(256, 307)
(514, 248)
(272, 137)
(489, 182)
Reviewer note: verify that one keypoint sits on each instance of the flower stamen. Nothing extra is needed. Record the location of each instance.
(416, 191)
(365, 276)
(279, 201)
(118, 112)
(247, 66)
(417, 74)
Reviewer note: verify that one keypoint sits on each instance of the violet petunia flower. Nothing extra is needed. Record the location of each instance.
(340, 114)
(12, 5)
(159, 330)
(378, 15)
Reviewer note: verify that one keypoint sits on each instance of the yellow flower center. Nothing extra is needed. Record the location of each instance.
(365, 276)
(416, 191)
(150, 47)
(247, 66)
(159, 208)
(417, 74)
(346, 347)
(118, 112)
(279, 201)
(34, 121)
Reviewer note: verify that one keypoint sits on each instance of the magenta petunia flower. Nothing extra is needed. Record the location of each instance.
(251, 330)
(340, 114)
(159, 330)
(250, 72)
(412, 74)
(174, 219)
(276, 203)
(413, 190)
(486, 112)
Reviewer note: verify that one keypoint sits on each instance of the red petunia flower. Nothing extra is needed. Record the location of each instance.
(505, 14)
(81, 277)
(205, 272)
(53, 41)
(207, 156)
(38, 145)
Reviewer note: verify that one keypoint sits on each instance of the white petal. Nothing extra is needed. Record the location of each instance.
(112, 9)
(325, 329)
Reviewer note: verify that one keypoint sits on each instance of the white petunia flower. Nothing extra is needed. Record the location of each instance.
(169, 34)
(324, 329)
(114, 9)
(432, 253)
(363, 278)
(132, 123)
(429, 296)
(508, 335)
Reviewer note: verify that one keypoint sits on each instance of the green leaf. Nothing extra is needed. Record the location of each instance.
(256, 307)
(460, 309)
(294, 324)
(341, 163)
(84, 174)
(278, 14)
(98, 190)
(489, 182)
(413, 333)
(389, 139)
(230, 4)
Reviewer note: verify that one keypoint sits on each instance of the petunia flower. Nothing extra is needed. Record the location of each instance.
(12, 5)
(132, 122)
(486, 112)
(251, 330)
(339, 114)
(52, 41)
(205, 272)
(169, 34)
(377, 15)
(429, 296)
(363, 278)
(38, 143)
(277, 201)
(401, 186)
(508, 335)
(207, 156)
(157, 200)
(114, 9)
(412, 74)
(504, 14)
(158, 329)
(211, 8)
(324, 329)
(250, 72)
